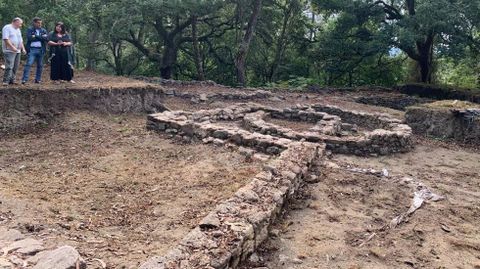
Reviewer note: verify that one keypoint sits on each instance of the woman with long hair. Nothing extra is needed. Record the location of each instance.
(60, 54)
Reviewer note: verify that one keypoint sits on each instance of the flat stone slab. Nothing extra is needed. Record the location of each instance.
(27, 246)
(10, 235)
(65, 257)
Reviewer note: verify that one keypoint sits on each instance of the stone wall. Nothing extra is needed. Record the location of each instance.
(249, 128)
(237, 227)
(462, 125)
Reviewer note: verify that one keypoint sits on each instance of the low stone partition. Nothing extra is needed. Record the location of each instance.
(460, 124)
(177, 123)
(365, 119)
(236, 227)
(268, 137)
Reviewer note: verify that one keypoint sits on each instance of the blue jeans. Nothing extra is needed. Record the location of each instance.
(35, 55)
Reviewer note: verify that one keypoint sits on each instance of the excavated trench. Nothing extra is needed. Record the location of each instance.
(126, 196)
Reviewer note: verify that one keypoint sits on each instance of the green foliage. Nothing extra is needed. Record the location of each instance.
(296, 42)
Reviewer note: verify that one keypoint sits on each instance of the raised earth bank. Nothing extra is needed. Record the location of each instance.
(21, 109)
(455, 120)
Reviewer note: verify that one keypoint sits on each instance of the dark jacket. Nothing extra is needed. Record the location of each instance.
(32, 37)
(70, 49)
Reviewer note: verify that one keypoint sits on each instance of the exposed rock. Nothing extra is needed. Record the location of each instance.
(6, 264)
(65, 257)
(10, 235)
(203, 97)
(283, 259)
(27, 246)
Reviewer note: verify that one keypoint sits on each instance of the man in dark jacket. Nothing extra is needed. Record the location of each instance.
(37, 38)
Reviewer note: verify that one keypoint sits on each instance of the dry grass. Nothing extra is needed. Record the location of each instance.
(452, 104)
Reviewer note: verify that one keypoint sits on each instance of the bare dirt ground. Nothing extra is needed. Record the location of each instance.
(83, 80)
(342, 221)
(121, 194)
(108, 187)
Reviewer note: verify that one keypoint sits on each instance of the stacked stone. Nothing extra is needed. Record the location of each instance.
(389, 135)
(217, 133)
(267, 137)
(22, 252)
(235, 228)
(369, 120)
(328, 125)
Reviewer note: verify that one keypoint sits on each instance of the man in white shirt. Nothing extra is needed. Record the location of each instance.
(12, 46)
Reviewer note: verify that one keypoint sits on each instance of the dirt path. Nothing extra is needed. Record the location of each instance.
(113, 190)
(343, 221)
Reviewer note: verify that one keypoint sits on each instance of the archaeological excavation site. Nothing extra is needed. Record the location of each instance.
(160, 174)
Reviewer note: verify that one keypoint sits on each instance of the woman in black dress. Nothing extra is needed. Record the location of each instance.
(60, 54)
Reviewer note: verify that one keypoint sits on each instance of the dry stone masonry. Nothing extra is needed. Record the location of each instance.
(234, 229)
(247, 126)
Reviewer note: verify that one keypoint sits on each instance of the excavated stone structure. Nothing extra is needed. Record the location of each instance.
(236, 227)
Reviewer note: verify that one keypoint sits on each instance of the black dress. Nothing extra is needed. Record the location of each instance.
(61, 68)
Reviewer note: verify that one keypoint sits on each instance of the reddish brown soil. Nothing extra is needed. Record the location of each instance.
(331, 226)
(122, 194)
(113, 190)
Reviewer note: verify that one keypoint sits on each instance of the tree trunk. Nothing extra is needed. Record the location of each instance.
(245, 44)
(116, 46)
(281, 44)
(196, 51)
(425, 59)
(169, 59)
(92, 51)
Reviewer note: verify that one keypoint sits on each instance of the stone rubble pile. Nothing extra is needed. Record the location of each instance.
(19, 251)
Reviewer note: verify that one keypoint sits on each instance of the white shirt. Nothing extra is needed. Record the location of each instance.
(36, 44)
(12, 34)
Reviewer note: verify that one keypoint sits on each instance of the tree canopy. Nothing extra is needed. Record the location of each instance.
(272, 42)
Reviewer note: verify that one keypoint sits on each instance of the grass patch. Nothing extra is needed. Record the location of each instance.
(453, 104)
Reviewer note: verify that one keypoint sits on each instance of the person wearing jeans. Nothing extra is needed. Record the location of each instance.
(37, 38)
(12, 46)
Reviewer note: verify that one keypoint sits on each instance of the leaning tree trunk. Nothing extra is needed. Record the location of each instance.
(245, 44)
(196, 51)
